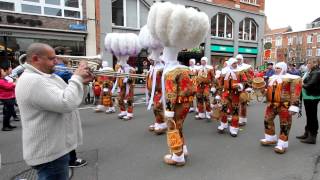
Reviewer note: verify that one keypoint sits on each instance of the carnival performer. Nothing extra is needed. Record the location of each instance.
(204, 82)
(176, 27)
(233, 84)
(104, 85)
(154, 80)
(244, 96)
(193, 70)
(123, 45)
(283, 99)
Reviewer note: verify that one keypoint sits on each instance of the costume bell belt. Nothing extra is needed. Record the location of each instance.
(276, 104)
(185, 99)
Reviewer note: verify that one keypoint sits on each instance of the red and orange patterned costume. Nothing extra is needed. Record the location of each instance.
(105, 102)
(179, 93)
(159, 126)
(283, 97)
(233, 84)
(126, 91)
(204, 83)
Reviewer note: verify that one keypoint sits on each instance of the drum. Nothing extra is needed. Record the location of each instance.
(244, 97)
(258, 83)
(216, 114)
(229, 84)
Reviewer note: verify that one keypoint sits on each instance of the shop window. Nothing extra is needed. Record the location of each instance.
(53, 2)
(8, 6)
(222, 26)
(248, 30)
(52, 11)
(72, 3)
(72, 14)
(30, 8)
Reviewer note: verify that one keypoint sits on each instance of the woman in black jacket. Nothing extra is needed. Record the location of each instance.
(311, 98)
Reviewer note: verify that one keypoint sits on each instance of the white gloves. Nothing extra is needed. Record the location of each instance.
(249, 90)
(213, 90)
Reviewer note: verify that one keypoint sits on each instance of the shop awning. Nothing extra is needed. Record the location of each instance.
(41, 33)
(222, 48)
(248, 50)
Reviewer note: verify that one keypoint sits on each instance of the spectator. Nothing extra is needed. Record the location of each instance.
(303, 68)
(311, 98)
(292, 70)
(269, 71)
(51, 126)
(62, 71)
(7, 96)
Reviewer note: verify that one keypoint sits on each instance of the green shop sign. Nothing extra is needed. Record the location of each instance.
(248, 50)
(219, 48)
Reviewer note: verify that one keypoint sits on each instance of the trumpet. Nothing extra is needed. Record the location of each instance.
(104, 73)
(93, 63)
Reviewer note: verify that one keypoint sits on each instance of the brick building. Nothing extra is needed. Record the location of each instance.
(55, 22)
(294, 46)
(237, 26)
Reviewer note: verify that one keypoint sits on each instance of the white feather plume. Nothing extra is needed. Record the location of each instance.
(177, 26)
(148, 41)
(122, 44)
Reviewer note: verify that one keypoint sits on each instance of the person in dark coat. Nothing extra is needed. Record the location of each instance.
(311, 98)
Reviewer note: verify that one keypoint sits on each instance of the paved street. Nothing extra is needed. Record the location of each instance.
(119, 150)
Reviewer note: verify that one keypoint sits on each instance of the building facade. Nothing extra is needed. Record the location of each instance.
(59, 23)
(293, 46)
(237, 26)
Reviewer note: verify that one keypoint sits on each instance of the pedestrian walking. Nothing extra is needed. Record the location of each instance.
(7, 96)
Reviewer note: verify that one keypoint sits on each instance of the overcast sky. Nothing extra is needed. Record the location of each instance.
(296, 13)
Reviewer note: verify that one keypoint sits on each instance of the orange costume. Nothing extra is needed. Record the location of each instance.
(105, 84)
(283, 99)
(233, 84)
(204, 83)
(126, 91)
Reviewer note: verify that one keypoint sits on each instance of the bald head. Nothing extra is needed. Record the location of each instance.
(42, 57)
(39, 49)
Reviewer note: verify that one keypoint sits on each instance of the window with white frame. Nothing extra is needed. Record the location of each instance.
(7, 6)
(268, 40)
(318, 38)
(222, 26)
(309, 39)
(309, 52)
(294, 40)
(248, 30)
(249, 1)
(127, 13)
(290, 40)
(278, 41)
(300, 39)
(318, 52)
(57, 8)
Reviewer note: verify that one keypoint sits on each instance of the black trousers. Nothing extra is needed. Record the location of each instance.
(73, 156)
(8, 111)
(311, 108)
